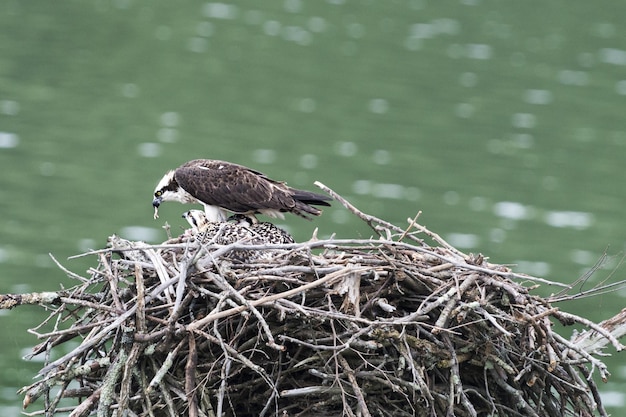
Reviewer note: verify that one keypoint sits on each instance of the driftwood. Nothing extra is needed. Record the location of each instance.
(388, 326)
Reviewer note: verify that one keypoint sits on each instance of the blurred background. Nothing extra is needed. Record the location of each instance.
(502, 122)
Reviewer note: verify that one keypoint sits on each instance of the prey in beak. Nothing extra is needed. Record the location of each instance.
(156, 203)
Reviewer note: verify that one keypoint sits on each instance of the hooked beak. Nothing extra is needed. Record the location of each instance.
(156, 203)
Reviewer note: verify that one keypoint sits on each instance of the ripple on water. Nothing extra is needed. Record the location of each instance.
(463, 240)
(9, 140)
(571, 77)
(538, 269)
(220, 10)
(308, 161)
(149, 149)
(613, 56)
(615, 399)
(264, 156)
(524, 120)
(346, 148)
(9, 107)
(381, 157)
(575, 219)
(386, 190)
(147, 234)
(538, 96)
(513, 210)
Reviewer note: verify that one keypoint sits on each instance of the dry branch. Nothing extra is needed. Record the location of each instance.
(364, 327)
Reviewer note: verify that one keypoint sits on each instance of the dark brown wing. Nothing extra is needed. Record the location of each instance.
(233, 187)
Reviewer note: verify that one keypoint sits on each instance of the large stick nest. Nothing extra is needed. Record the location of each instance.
(388, 326)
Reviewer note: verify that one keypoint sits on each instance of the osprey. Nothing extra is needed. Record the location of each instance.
(267, 231)
(243, 230)
(223, 233)
(223, 187)
(239, 227)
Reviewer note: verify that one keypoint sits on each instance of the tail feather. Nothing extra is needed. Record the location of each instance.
(305, 200)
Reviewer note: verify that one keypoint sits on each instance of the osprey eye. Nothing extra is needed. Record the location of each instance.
(158, 193)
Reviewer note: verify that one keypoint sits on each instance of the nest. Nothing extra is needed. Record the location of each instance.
(388, 326)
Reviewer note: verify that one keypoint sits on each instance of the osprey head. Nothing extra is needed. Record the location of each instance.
(168, 190)
(197, 220)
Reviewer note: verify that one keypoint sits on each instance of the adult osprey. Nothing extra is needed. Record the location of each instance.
(223, 187)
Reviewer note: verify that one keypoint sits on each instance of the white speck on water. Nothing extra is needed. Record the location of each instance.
(538, 269)
(477, 203)
(512, 210)
(307, 105)
(604, 30)
(220, 10)
(167, 135)
(47, 169)
(524, 120)
(462, 240)
(468, 79)
(356, 30)
(412, 193)
(204, 29)
(571, 77)
(392, 191)
(149, 149)
(293, 6)
(421, 31)
(613, 56)
(378, 105)
(170, 119)
(130, 90)
(573, 219)
(264, 156)
(308, 161)
(362, 187)
(451, 198)
(272, 28)
(317, 24)
(9, 140)
(582, 257)
(497, 235)
(537, 96)
(550, 183)
(614, 399)
(146, 234)
(381, 157)
(86, 244)
(197, 44)
(9, 107)
(340, 216)
(478, 51)
(523, 140)
(464, 110)
(346, 148)
(296, 34)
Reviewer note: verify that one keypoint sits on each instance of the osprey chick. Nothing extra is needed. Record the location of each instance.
(268, 232)
(223, 187)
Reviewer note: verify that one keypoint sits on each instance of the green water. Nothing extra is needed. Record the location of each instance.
(503, 122)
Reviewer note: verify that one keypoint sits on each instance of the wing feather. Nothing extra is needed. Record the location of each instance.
(233, 187)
